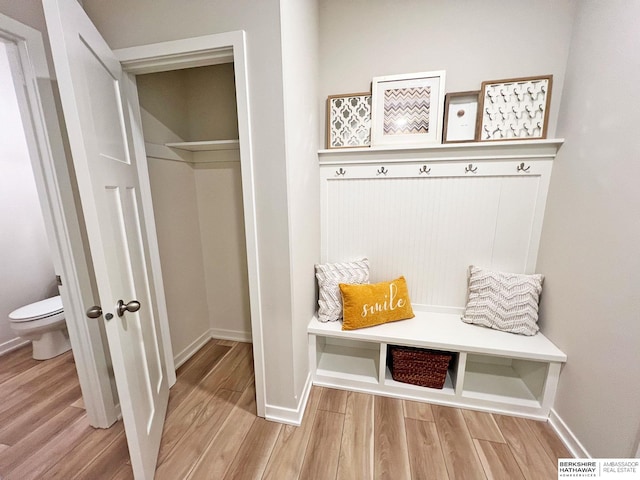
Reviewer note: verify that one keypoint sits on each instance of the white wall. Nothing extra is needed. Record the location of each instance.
(212, 103)
(472, 41)
(26, 269)
(219, 193)
(300, 49)
(589, 253)
(175, 207)
(164, 107)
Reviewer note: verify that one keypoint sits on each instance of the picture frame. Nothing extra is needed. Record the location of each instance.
(461, 117)
(349, 120)
(407, 109)
(514, 109)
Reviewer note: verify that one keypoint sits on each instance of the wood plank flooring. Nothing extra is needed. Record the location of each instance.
(212, 432)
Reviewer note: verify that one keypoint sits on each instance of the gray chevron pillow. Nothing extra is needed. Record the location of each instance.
(329, 276)
(504, 301)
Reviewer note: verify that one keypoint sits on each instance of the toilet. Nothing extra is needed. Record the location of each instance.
(43, 323)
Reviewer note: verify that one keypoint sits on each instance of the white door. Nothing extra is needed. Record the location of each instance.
(96, 111)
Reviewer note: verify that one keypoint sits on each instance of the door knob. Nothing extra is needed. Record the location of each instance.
(94, 312)
(132, 306)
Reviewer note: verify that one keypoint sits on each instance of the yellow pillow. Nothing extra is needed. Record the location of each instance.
(373, 304)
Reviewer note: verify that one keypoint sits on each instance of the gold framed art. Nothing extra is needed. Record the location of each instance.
(516, 108)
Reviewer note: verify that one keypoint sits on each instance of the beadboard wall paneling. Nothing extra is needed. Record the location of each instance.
(431, 228)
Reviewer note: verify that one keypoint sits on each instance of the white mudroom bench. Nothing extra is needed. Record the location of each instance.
(428, 213)
(490, 370)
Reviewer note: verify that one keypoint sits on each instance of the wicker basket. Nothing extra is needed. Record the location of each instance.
(427, 368)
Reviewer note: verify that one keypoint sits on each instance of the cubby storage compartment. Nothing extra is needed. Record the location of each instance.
(418, 366)
(348, 359)
(500, 379)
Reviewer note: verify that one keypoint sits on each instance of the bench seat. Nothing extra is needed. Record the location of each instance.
(445, 331)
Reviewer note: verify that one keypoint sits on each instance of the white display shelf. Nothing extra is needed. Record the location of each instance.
(205, 146)
(472, 151)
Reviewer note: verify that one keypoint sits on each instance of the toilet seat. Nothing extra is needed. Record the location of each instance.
(38, 325)
(38, 311)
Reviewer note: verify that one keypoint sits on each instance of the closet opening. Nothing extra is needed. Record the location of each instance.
(191, 104)
(190, 128)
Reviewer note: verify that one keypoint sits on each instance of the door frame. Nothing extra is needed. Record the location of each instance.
(64, 232)
(187, 53)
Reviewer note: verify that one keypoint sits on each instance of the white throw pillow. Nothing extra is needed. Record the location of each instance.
(329, 276)
(504, 301)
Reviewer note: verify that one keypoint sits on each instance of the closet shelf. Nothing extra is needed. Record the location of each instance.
(206, 146)
(191, 157)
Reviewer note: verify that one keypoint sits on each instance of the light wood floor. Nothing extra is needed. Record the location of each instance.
(212, 432)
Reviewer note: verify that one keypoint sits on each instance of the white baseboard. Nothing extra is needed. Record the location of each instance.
(236, 335)
(191, 349)
(199, 342)
(567, 436)
(290, 416)
(13, 344)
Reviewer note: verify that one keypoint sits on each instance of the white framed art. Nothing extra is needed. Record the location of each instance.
(407, 109)
(460, 117)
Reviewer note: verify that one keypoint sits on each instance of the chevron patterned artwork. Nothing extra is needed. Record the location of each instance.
(503, 301)
(406, 110)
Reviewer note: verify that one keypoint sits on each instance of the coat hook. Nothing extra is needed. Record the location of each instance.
(470, 168)
(522, 168)
(424, 169)
(382, 171)
(340, 172)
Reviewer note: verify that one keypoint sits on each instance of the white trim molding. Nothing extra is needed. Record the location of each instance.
(191, 349)
(567, 436)
(447, 152)
(235, 335)
(291, 416)
(213, 333)
(13, 344)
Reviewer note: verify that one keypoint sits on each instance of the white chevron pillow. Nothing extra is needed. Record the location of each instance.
(329, 276)
(504, 301)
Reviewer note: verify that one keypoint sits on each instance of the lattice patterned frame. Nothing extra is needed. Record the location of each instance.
(514, 109)
(407, 109)
(349, 120)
